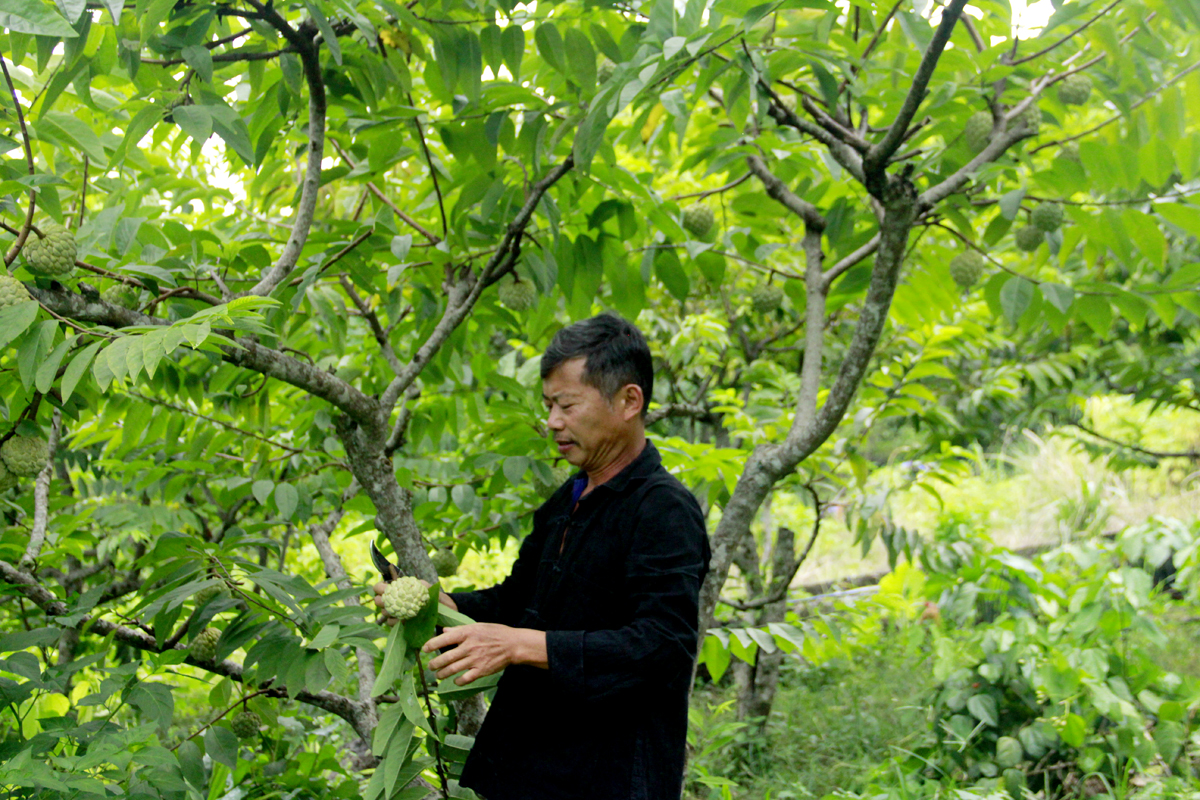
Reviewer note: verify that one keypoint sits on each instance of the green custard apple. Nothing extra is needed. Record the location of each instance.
(1030, 119)
(122, 295)
(445, 562)
(1029, 237)
(1075, 90)
(698, 220)
(25, 456)
(978, 131)
(766, 298)
(245, 725)
(517, 295)
(404, 598)
(1069, 151)
(545, 489)
(7, 479)
(966, 267)
(605, 70)
(53, 253)
(204, 645)
(12, 291)
(1047, 216)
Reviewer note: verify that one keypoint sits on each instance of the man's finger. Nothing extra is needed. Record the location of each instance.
(449, 636)
(467, 677)
(379, 601)
(449, 659)
(379, 588)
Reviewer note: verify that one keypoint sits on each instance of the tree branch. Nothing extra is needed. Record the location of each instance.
(463, 294)
(247, 353)
(27, 585)
(305, 209)
(1193, 455)
(412, 223)
(779, 192)
(1068, 37)
(875, 161)
(835, 272)
(41, 498)
(691, 410)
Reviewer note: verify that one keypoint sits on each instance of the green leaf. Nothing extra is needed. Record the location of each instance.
(155, 701)
(77, 369)
(200, 59)
(191, 764)
(32, 16)
(514, 469)
(195, 121)
(670, 271)
(327, 33)
(393, 661)
(1010, 204)
(16, 319)
(221, 745)
(262, 490)
(286, 498)
(983, 708)
(550, 46)
(581, 59)
(1059, 296)
(1015, 297)
(512, 47)
(1096, 311)
(46, 372)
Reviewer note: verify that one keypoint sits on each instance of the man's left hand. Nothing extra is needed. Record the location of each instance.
(485, 648)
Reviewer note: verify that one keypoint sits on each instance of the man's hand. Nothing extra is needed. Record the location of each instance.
(484, 649)
(389, 620)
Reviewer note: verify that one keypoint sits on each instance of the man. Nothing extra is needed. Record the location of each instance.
(596, 626)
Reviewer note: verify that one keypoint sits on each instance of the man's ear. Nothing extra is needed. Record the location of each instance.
(632, 401)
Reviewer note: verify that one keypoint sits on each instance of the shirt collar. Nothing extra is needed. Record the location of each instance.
(647, 462)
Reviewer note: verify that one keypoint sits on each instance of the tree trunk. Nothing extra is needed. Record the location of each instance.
(756, 688)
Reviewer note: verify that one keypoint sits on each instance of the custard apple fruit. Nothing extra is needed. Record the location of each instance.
(25, 456)
(698, 220)
(545, 489)
(122, 295)
(766, 298)
(1030, 119)
(53, 253)
(966, 267)
(445, 562)
(516, 294)
(605, 70)
(210, 593)
(204, 645)
(245, 725)
(1029, 237)
(978, 131)
(1047, 216)
(404, 598)
(7, 479)
(12, 291)
(1069, 151)
(1075, 90)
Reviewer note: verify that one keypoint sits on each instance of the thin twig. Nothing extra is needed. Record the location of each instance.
(412, 223)
(437, 187)
(707, 192)
(24, 232)
(1068, 37)
(83, 193)
(218, 717)
(206, 418)
(437, 750)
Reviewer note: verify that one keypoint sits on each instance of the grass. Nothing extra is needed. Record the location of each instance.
(829, 727)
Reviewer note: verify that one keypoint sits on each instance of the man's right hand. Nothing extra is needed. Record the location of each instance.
(388, 619)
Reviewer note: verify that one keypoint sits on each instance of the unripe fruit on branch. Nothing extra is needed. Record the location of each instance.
(245, 725)
(698, 220)
(978, 131)
(121, 295)
(545, 489)
(1075, 90)
(25, 456)
(517, 295)
(53, 253)
(1069, 151)
(1047, 216)
(204, 646)
(1029, 237)
(12, 291)
(7, 479)
(966, 267)
(204, 595)
(404, 598)
(605, 70)
(766, 298)
(445, 562)
(1030, 118)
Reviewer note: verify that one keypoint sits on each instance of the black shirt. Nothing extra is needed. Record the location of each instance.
(608, 719)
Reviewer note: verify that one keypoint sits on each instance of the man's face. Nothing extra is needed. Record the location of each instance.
(588, 429)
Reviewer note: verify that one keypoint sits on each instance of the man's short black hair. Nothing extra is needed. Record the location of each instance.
(616, 351)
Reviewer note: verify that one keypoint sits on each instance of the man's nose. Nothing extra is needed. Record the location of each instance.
(554, 420)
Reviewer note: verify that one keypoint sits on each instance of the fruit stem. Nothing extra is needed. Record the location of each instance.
(437, 750)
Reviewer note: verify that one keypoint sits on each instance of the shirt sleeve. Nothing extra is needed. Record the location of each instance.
(667, 562)
(505, 602)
